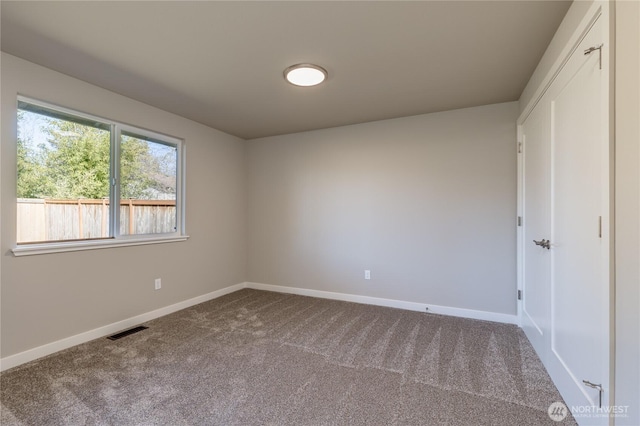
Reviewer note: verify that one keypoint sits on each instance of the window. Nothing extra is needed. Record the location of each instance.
(86, 182)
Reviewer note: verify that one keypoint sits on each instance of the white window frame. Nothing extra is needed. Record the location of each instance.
(115, 239)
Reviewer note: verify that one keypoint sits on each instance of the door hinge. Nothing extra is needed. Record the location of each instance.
(519, 294)
(597, 387)
(519, 147)
(593, 49)
(519, 220)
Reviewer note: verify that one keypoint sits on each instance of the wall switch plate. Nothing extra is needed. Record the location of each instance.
(367, 274)
(158, 283)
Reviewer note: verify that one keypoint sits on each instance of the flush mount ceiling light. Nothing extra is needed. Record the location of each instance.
(305, 75)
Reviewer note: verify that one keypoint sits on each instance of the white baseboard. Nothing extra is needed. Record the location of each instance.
(50, 348)
(390, 303)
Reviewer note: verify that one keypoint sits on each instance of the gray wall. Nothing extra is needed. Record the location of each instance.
(49, 297)
(427, 203)
(627, 210)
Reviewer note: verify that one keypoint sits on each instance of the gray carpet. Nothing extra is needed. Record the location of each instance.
(262, 358)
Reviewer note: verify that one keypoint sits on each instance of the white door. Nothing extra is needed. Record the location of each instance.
(536, 206)
(579, 227)
(565, 200)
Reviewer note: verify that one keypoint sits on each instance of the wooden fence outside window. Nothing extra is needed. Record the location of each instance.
(57, 220)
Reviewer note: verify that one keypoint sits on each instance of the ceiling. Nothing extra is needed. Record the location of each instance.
(221, 63)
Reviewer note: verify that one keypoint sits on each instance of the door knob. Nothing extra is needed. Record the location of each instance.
(543, 243)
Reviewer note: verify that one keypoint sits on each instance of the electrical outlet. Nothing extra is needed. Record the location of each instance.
(367, 274)
(158, 283)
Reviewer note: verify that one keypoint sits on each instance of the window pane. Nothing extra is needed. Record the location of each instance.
(63, 176)
(148, 170)
(64, 182)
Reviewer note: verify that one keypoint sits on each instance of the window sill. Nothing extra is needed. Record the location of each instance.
(61, 247)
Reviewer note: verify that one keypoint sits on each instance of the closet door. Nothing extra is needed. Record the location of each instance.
(579, 327)
(565, 247)
(536, 192)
